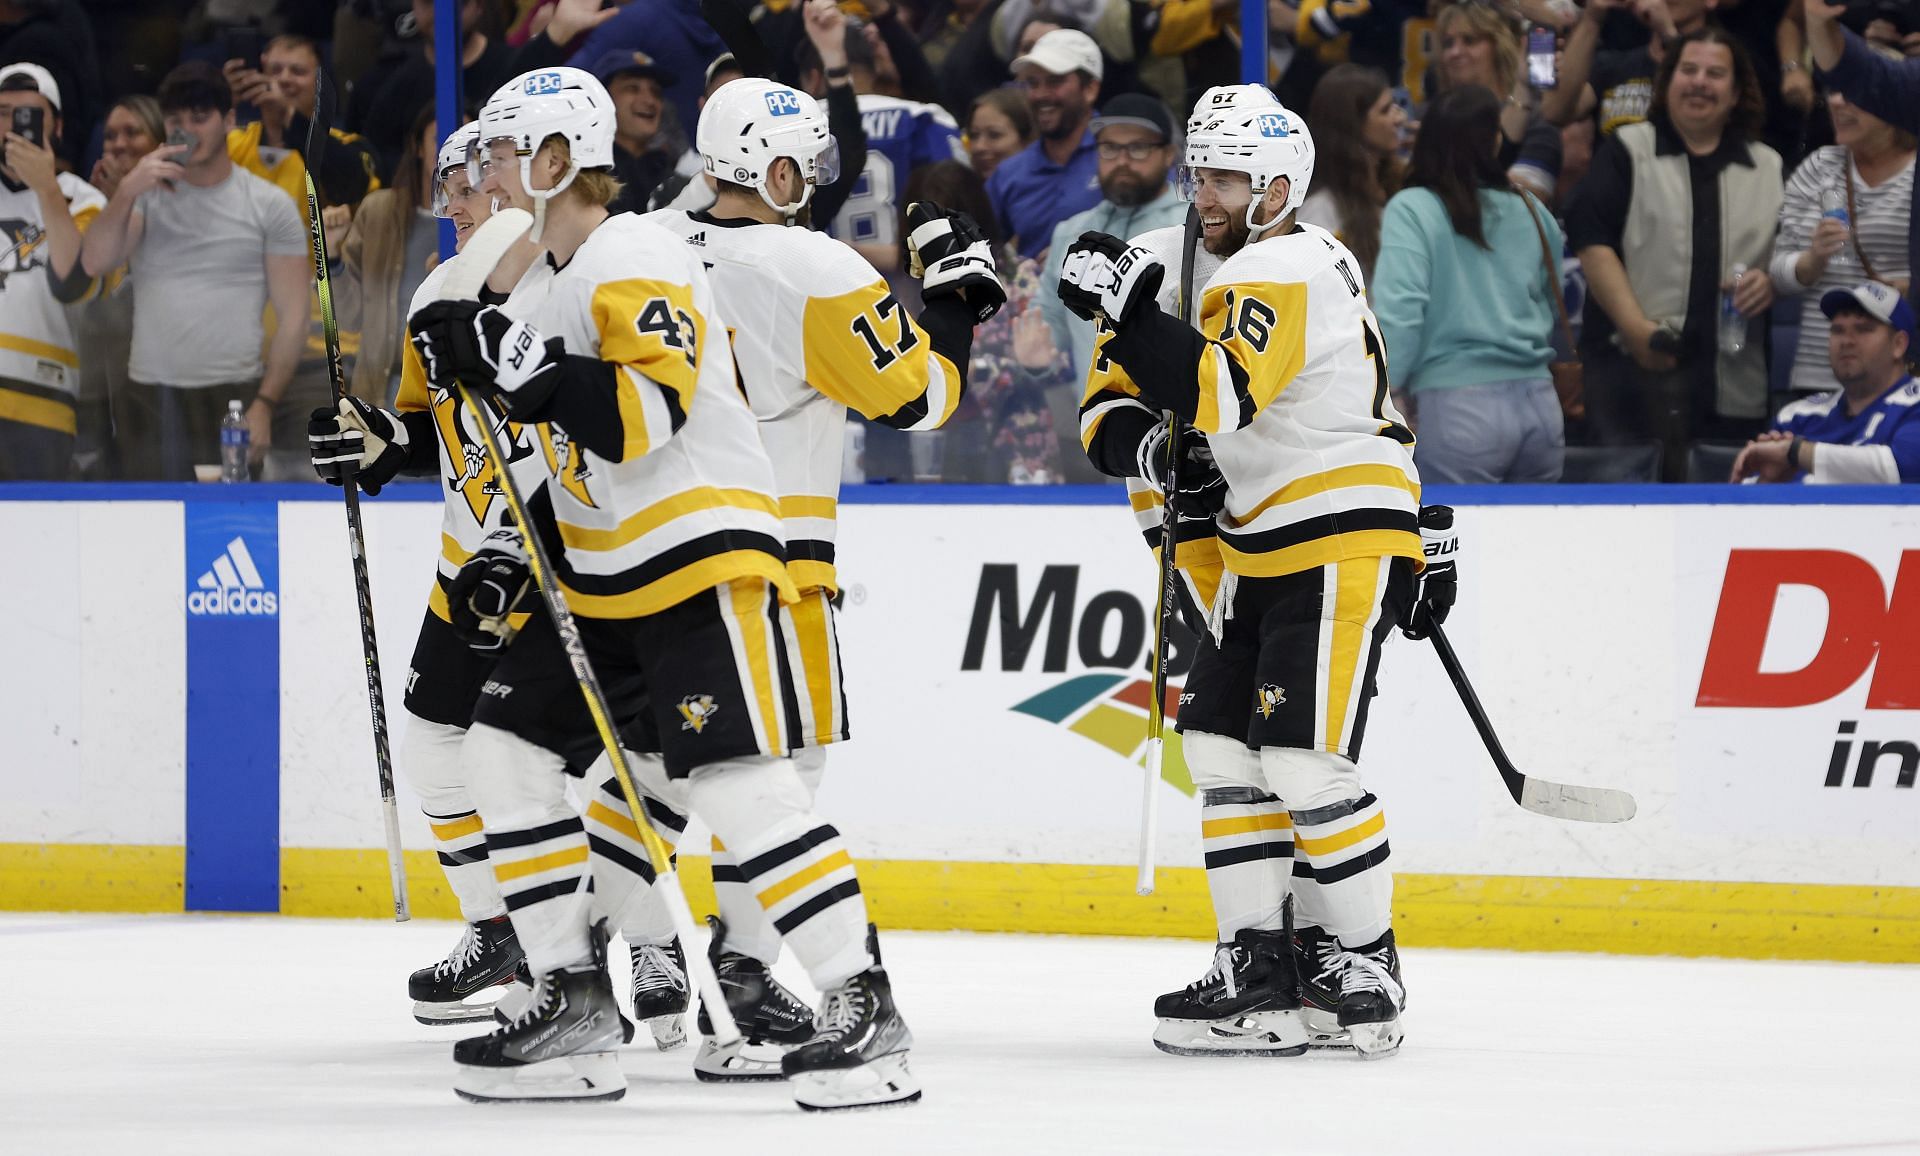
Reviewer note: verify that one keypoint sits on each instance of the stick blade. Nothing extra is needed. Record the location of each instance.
(490, 242)
(1577, 804)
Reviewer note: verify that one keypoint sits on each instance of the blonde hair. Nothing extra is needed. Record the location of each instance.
(592, 186)
(1483, 20)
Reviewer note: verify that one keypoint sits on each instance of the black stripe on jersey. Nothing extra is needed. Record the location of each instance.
(618, 854)
(1320, 526)
(433, 818)
(1250, 853)
(462, 858)
(812, 907)
(671, 561)
(554, 890)
(1352, 867)
(1115, 448)
(559, 828)
(948, 324)
(728, 873)
(585, 401)
(786, 852)
(809, 550)
(663, 817)
(1302, 869)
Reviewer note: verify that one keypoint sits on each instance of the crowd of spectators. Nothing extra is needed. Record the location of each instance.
(1717, 195)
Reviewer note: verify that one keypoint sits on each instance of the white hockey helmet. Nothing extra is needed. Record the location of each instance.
(749, 123)
(1266, 142)
(453, 154)
(1223, 98)
(565, 102)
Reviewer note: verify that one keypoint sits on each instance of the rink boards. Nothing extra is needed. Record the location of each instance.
(186, 724)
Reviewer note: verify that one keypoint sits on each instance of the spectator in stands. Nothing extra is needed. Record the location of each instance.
(1868, 430)
(1134, 138)
(1464, 300)
(961, 51)
(208, 245)
(43, 213)
(672, 32)
(1058, 175)
(284, 89)
(104, 325)
(133, 130)
(1671, 207)
(394, 242)
(1389, 35)
(1357, 128)
(1845, 218)
(57, 36)
(998, 125)
(1616, 87)
(1479, 45)
(647, 143)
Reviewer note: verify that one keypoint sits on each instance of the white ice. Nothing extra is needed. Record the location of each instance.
(229, 1034)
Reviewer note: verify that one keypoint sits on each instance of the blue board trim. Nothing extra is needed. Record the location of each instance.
(966, 495)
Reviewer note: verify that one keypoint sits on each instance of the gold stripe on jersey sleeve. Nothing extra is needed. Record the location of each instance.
(1262, 328)
(37, 411)
(660, 513)
(685, 583)
(40, 349)
(809, 574)
(652, 327)
(1326, 551)
(866, 352)
(1356, 583)
(1342, 477)
(414, 394)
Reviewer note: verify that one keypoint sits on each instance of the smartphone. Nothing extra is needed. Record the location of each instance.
(1541, 72)
(242, 44)
(31, 123)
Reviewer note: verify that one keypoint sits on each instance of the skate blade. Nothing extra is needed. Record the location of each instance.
(1263, 1033)
(669, 1031)
(586, 1076)
(436, 1014)
(1376, 1041)
(1323, 1029)
(880, 1083)
(739, 1063)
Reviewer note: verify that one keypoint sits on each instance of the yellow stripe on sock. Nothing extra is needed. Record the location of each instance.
(800, 879)
(565, 857)
(458, 829)
(1341, 840)
(606, 816)
(1246, 825)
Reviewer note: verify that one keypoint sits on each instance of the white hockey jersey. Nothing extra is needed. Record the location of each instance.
(688, 502)
(1292, 395)
(815, 331)
(39, 366)
(474, 505)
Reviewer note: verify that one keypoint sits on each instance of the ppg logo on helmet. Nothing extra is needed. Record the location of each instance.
(783, 103)
(541, 83)
(1273, 124)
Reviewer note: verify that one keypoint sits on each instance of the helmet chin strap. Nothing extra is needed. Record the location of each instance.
(541, 196)
(787, 212)
(1255, 230)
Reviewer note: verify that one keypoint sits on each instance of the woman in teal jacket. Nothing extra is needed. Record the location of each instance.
(1465, 306)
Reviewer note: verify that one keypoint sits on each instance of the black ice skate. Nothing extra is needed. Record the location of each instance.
(561, 1047)
(482, 961)
(771, 1019)
(1317, 961)
(660, 992)
(1248, 1003)
(857, 1057)
(1372, 998)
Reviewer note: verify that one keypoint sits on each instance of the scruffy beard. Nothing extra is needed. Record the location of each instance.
(1232, 239)
(1127, 191)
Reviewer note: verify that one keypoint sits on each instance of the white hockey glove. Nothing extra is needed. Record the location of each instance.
(357, 441)
(481, 347)
(482, 596)
(1104, 276)
(1199, 488)
(1440, 581)
(947, 251)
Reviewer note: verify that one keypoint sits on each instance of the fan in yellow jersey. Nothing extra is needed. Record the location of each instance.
(1320, 538)
(816, 332)
(667, 544)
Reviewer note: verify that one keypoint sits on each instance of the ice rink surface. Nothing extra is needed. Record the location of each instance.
(231, 1034)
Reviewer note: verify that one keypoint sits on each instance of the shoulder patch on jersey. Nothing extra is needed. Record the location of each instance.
(1819, 405)
(1908, 394)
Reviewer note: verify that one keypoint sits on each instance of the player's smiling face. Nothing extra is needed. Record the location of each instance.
(467, 206)
(501, 176)
(1221, 196)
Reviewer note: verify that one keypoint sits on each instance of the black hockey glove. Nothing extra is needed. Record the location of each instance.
(947, 251)
(483, 595)
(357, 441)
(486, 350)
(1104, 276)
(1199, 488)
(1440, 581)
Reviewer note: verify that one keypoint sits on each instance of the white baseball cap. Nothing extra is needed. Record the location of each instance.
(1879, 301)
(1062, 51)
(42, 80)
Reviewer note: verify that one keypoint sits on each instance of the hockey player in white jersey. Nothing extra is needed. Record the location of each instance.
(667, 546)
(815, 332)
(1319, 537)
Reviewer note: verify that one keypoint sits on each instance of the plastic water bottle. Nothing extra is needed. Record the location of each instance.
(1833, 203)
(235, 440)
(1733, 326)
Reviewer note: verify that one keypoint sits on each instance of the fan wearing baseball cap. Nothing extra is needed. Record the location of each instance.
(1057, 175)
(1868, 430)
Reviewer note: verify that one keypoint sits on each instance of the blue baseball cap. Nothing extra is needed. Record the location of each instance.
(1880, 302)
(622, 62)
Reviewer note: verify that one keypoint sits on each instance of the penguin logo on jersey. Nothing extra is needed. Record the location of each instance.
(1270, 696)
(23, 240)
(696, 709)
(567, 465)
(476, 481)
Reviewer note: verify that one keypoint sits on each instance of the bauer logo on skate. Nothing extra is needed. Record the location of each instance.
(232, 585)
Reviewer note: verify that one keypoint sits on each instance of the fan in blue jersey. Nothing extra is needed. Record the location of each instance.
(1868, 430)
(902, 135)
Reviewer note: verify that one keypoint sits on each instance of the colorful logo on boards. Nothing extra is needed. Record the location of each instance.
(1111, 710)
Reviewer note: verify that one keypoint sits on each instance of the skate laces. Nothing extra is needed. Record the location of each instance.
(545, 995)
(1365, 973)
(655, 970)
(1222, 970)
(842, 1011)
(465, 954)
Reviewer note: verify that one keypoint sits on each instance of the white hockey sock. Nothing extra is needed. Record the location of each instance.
(1247, 840)
(622, 872)
(1346, 845)
(538, 845)
(749, 931)
(794, 862)
(430, 758)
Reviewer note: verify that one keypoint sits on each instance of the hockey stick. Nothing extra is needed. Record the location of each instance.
(317, 131)
(1166, 605)
(463, 282)
(1555, 800)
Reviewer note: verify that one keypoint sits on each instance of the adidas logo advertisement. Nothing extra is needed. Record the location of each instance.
(233, 586)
